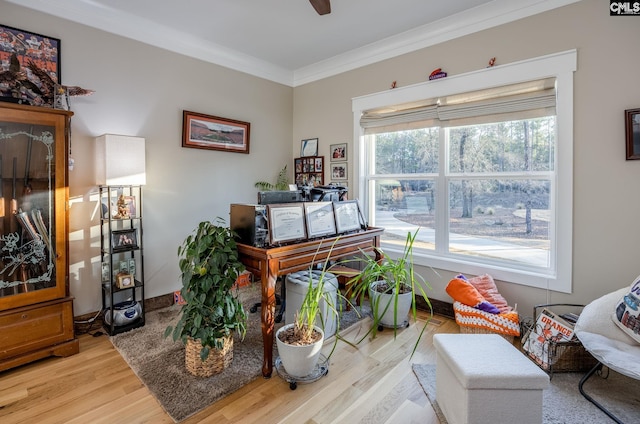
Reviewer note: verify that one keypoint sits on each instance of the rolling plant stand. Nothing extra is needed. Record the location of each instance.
(322, 369)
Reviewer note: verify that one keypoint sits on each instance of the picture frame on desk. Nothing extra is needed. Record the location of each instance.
(286, 223)
(347, 216)
(320, 219)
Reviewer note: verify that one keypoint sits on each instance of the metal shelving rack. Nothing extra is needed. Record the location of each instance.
(120, 260)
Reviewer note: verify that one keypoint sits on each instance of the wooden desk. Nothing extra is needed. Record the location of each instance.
(269, 263)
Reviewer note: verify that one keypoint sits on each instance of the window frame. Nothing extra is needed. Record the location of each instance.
(561, 66)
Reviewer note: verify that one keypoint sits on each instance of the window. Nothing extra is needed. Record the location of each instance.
(481, 163)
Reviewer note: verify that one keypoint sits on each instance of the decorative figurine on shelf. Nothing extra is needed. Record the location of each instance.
(437, 73)
(394, 85)
(50, 88)
(492, 62)
(123, 210)
(32, 85)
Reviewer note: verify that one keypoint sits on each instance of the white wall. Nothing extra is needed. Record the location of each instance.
(606, 198)
(142, 91)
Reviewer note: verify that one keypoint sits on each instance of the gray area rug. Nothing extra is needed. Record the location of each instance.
(159, 362)
(562, 402)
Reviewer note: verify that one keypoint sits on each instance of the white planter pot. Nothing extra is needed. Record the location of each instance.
(379, 302)
(299, 361)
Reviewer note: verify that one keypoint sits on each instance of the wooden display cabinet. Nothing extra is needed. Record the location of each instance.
(36, 310)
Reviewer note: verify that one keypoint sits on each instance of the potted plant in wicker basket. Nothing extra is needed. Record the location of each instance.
(209, 266)
(392, 285)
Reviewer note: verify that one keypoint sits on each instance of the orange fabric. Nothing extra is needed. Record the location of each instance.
(487, 288)
(464, 292)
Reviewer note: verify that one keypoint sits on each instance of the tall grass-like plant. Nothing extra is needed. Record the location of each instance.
(310, 308)
(209, 264)
(394, 277)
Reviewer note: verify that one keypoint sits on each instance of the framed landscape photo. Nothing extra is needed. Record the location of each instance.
(338, 152)
(309, 147)
(28, 47)
(632, 131)
(201, 131)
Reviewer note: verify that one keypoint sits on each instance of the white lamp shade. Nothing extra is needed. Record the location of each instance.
(120, 160)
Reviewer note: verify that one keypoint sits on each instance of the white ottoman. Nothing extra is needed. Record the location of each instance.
(482, 378)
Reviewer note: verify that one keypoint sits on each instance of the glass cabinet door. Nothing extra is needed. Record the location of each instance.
(32, 205)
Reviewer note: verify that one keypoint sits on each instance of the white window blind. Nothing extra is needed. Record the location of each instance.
(527, 100)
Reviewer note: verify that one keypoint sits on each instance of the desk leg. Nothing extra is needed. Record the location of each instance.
(268, 307)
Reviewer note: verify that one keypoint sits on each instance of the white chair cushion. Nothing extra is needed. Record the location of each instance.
(604, 339)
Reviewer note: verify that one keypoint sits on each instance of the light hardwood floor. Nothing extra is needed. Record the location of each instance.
(371, 384)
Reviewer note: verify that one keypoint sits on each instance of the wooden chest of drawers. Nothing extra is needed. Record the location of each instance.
(37, 331)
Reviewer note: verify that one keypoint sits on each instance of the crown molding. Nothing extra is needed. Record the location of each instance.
(96, 15)
(107, 19)
(483, 17)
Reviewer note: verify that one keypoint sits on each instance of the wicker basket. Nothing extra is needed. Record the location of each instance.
(475, 330)
(218, 359)
(562, 356)
(567, 356)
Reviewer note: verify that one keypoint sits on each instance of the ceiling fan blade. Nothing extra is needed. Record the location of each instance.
(323, 7)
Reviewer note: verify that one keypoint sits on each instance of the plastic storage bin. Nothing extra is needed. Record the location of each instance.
(297, 284)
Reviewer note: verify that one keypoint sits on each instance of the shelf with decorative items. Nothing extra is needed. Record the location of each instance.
(121, 247)
(120, 175)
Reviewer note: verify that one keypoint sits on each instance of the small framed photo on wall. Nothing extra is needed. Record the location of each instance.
(309, 147)
(338, 152)
(632, 130)
(339, 171)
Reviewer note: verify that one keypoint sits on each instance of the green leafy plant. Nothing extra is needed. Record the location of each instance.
(394, 277)
(209, 265)
(282, 182)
